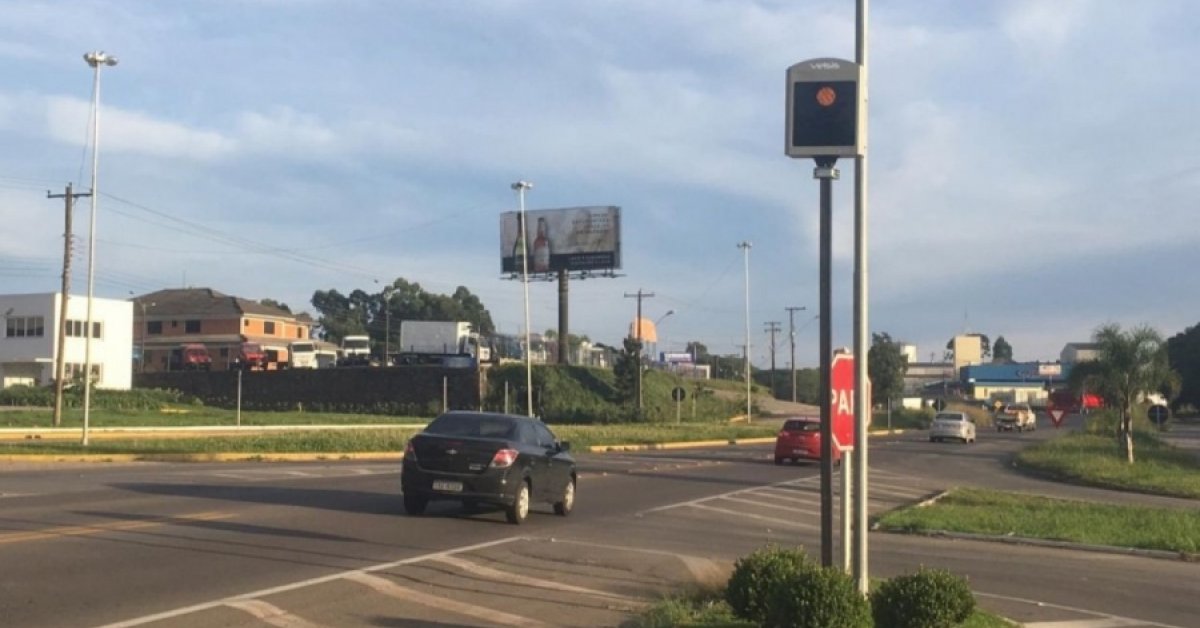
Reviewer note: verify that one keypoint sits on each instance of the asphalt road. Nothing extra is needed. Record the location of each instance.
(325, 544)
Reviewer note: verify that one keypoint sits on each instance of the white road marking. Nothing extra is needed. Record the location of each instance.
(691, 502)
(146, 619)
(387, 587)
(752, 502)
(787, 522)
(516, 578)
(1131, 621)
(271, 614)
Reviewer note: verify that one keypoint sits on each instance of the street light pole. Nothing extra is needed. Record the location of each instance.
(520, 187)
(792, 334)
(745, 247)
(94, 59)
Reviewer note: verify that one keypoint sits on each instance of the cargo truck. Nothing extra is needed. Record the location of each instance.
(449, 343)
(355, 351)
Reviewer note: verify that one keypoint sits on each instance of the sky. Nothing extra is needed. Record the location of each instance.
(1034, 166)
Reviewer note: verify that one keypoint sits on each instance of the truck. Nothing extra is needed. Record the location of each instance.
(311, 354)
(355, 351)
(191, 356)
(1016, 416)
(449, 343)
(250, 357)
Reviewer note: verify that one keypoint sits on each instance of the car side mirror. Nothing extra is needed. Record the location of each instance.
(564, 445)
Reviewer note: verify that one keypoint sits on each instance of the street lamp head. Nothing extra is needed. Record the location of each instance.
(522, 185)
(99, 57)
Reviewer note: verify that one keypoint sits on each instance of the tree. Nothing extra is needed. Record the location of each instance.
(625, 371)
(275, 304)
(886, 367)
(377, 314)
(1130, 364)
(1001, 350)
(1183, 354)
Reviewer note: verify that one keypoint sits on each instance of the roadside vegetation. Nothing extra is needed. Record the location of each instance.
(785, 588)
(979, 511)
(381, 440)
(1094, 458)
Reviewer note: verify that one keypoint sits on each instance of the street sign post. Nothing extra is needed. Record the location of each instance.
(1056, 415)
(841, 400)
(678, 394)
(1158, 413)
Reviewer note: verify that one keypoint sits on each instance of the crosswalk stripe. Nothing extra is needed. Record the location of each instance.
(387, 587)
(787, 522)
(516, 578)
(271, 614)
(766, 505)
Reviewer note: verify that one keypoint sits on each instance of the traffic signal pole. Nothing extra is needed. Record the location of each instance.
(826, 173)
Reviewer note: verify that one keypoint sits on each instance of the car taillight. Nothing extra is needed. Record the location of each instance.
(782, 434)
(410, 452)
(504, 458)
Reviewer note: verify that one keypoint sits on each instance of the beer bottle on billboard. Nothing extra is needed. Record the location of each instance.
(541, 248)
(518, 248)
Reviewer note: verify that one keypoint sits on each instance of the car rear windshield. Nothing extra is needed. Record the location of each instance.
(802, 426)
(949, 417)
(481, 426)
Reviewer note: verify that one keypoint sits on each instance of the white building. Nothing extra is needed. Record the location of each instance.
(29, 343)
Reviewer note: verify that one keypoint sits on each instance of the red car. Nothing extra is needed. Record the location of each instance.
(800, 439)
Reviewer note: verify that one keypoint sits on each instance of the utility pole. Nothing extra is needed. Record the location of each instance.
(60, 362)
(772, 328)
(637, 326)
(791, 310)
(745, 247)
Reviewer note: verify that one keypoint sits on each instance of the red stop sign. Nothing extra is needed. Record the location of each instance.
(841, 402)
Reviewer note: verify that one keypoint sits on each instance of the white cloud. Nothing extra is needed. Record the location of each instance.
(133, 132)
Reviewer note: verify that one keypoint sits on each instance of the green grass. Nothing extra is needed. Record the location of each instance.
(185, 416)
(981, 511)
(376, 440)
(1097, 460)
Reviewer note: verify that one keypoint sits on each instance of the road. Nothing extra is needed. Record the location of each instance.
(325, 544)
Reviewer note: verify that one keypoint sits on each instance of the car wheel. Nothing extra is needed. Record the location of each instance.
(564, 506)
(778, 460)
(415, 504)
(519, 509)
(932, 439)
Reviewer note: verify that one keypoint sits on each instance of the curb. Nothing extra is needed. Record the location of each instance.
(680, 445)
(1188, 557)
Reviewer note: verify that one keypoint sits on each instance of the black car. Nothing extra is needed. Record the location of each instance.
(488, 458)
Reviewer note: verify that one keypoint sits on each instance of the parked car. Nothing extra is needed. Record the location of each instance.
(1016, 416)
(800, 439)
(488, 458)
(953, 425)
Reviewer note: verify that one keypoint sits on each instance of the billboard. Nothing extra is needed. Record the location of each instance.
(571, 238)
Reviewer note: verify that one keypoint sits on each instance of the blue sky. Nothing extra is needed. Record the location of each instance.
(1034, 165)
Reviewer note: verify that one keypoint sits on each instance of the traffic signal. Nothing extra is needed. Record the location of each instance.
(824, 109)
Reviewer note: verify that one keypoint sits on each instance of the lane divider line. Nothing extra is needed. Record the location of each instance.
(100, 528)
(389, 588)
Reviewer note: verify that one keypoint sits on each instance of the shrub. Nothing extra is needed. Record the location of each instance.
(816, 598)
(753, 575)
(930, 598)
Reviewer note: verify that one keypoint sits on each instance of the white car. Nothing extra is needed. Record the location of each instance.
(954, 425)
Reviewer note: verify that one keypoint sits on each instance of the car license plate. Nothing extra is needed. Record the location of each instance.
(447, 486)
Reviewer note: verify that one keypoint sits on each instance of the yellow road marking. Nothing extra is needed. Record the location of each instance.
(116, 526)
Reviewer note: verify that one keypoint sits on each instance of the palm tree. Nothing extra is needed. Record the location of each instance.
(1130, 364)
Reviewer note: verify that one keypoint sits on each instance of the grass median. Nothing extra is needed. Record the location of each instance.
(379, 440)
(979, 511)
(190, 416)
(1097, 460)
